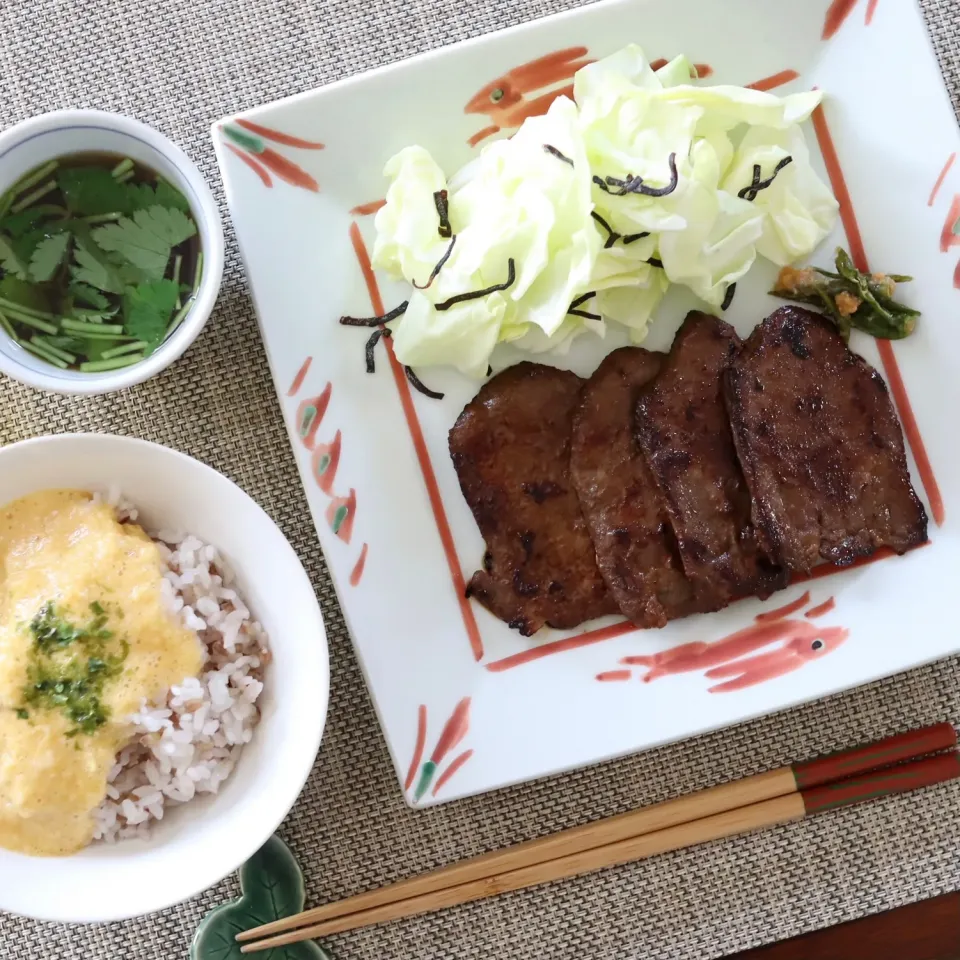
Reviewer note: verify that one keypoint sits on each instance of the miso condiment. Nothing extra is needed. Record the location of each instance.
(100, 261)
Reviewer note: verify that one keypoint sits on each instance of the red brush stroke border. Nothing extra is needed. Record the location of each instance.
(943, 176)
(423, 455)
(418, 748)
(885, 348)
(855, 242)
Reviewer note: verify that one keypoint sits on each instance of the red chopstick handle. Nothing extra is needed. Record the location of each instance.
(883, 783)
(883, 753)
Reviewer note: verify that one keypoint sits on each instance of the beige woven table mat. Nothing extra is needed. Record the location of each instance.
(181, 65)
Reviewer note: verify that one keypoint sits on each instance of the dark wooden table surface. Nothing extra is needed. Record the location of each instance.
(929, 930)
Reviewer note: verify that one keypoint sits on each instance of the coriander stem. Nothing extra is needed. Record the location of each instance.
(198, 273)
(56, 351)
(41, 352)
(124, 177)
(29, 321)
(177, 262)
(101, 217)
(6, 327)
(99, 366)
(97, 335)
(32, 179)
(81, 326)
(179, 315)
(33, 197)
(122, 167)
(29, 311)
(137, 345)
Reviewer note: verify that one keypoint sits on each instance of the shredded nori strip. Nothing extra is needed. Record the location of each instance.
(620, 188)
(375, 321)
(612, 235)
(420, 385)
(443, 212)
(750, 193)
(584, 314)
(655, 262)
(556, 153)
(583, 298)
(728, 297)
(439, 266)
(371, 345)
(480, 294)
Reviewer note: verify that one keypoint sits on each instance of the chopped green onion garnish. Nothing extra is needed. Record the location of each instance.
(124, 177)
(44, 354)
(99, 366)
(122, 167)
(30, 198)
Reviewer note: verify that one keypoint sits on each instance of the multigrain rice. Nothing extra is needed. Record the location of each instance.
(187, 744)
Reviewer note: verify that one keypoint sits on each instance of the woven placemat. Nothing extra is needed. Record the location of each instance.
(179, 66)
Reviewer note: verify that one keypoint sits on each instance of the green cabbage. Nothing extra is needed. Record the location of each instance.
(534, 199)
(800, 209)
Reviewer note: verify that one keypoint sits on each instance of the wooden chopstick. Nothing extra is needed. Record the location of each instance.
(726, 798)
(902, 778)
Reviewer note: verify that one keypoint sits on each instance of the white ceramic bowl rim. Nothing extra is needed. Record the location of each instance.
(199, 843)
(204, 210)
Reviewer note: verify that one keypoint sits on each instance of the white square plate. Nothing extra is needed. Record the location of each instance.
(466, 704)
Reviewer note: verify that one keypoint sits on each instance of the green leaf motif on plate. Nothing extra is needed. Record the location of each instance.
(271, 886)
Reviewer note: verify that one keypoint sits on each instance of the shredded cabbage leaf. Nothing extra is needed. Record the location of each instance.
(560, 199)
(800, 210)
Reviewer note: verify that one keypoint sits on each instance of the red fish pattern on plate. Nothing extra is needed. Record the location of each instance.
(772, 646)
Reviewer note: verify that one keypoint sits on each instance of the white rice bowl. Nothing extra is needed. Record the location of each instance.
(188, 742)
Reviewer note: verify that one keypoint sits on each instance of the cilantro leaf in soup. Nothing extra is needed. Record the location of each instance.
(84, 293)
(172, 225)
(142, 195)
(10, 259)
(48, 256)
(92, 191)
(147, 310)
(146, 238)
(170, 196)
(93, 268)
(17, 291)
(17, 224)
